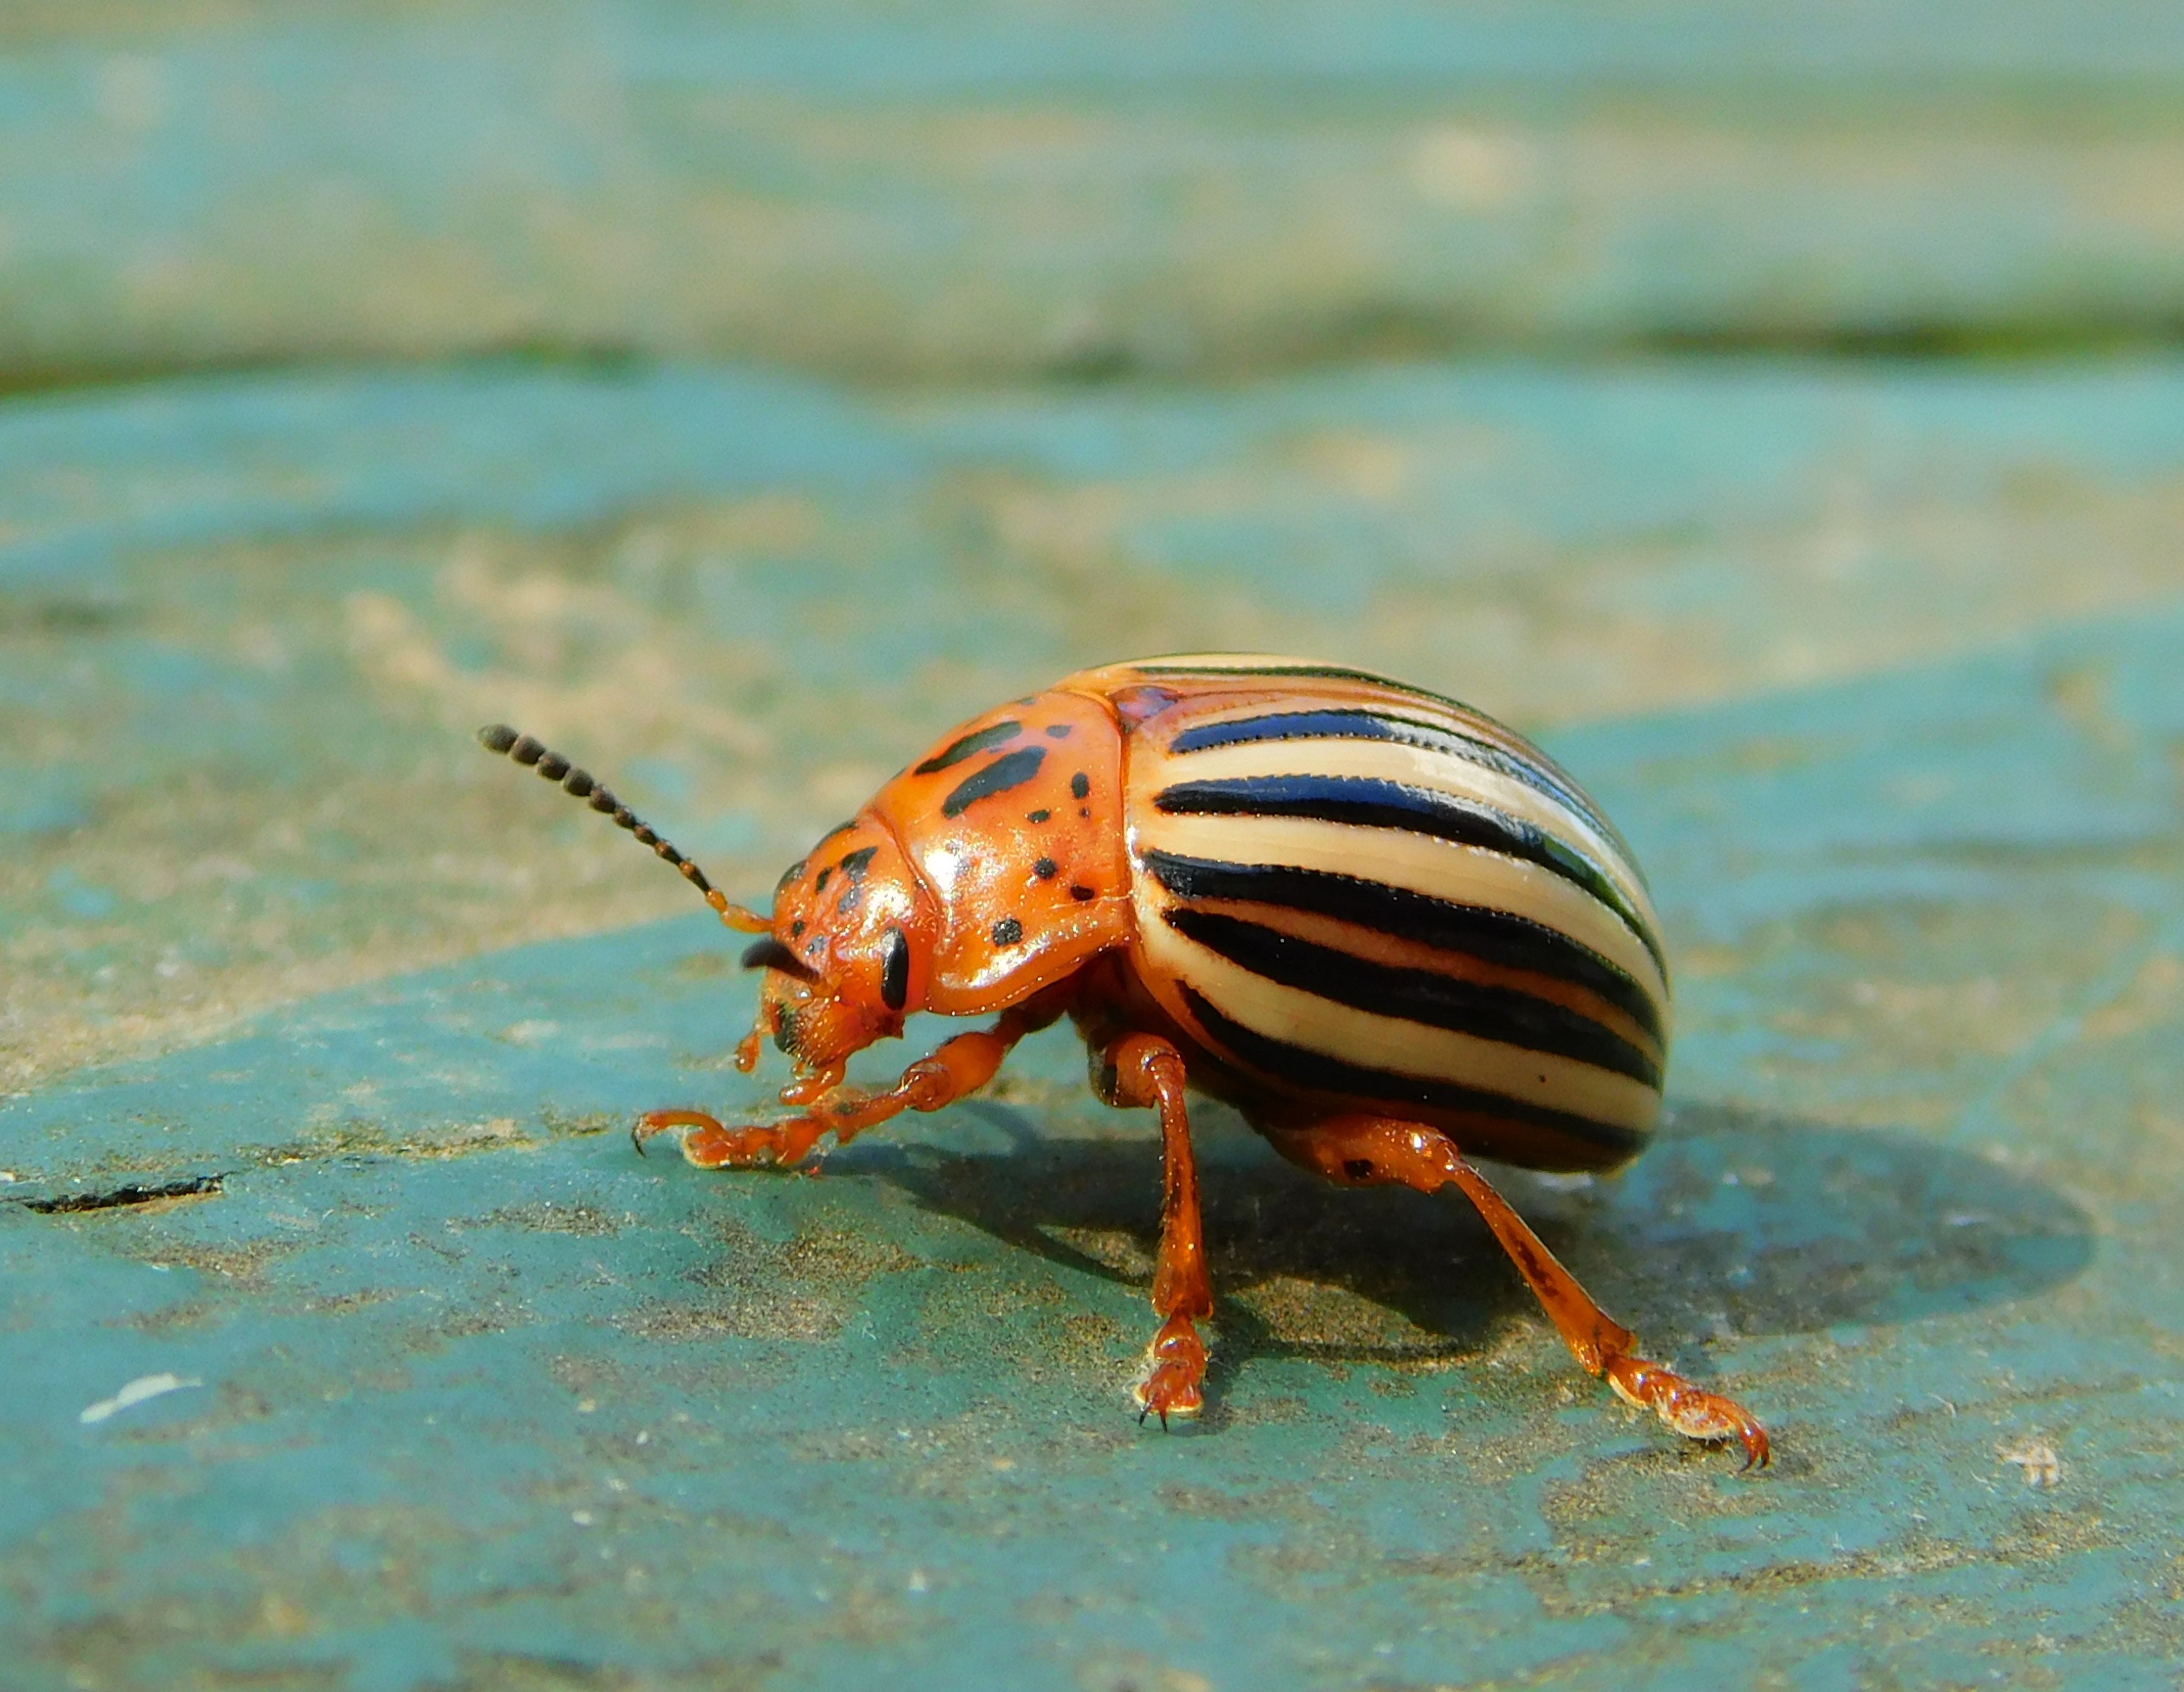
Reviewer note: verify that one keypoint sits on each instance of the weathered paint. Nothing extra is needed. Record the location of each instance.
(417, 1377)
(247, 625)
(955, 189)
(479, 1399)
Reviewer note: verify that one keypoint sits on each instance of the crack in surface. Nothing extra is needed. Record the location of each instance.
(128, 1194)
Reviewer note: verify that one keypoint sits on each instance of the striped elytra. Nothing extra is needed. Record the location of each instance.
(1346, 889)
(1390, 931)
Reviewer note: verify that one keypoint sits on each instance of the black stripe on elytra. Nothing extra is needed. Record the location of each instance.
(984, 740)
(854, 865)
(1369, 803)
(1534, 770)
(1302, 1067)
(1426, 996)
(1492, 935)
(1009, 770)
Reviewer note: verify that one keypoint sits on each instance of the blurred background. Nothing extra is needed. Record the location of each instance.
(1776, 408)
(741, 394)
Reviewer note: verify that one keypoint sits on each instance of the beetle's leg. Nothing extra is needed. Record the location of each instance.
(956, 1067)
(1366, 1150)
(1144, 1070)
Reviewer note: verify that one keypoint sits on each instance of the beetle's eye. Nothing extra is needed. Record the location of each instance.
(895, 971)
(770, 953)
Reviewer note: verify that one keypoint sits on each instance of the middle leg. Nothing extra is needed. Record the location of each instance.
(1143, 1070)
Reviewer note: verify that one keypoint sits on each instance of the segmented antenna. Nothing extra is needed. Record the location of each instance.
(499, 737)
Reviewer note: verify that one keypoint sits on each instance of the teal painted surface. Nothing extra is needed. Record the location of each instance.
(247, 624)
(477, 1398)
(953, 189)
(740, 396)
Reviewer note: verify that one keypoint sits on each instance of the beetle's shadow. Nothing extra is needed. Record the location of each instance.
(1735, 1222)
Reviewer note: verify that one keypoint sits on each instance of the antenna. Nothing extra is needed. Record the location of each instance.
(499, 737)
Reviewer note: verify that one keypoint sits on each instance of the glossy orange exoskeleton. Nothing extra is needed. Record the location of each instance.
(1387, 930)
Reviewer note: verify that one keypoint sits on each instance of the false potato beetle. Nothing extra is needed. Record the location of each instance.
(1388, 930)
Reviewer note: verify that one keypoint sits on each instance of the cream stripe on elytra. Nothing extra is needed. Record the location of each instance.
(1315, 930)
(1437, 869)
(1314, 1024)
(1305, 680)
(1474, 740)
(1418, 766)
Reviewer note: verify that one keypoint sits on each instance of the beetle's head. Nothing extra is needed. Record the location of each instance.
(848, 944)
(852, 926)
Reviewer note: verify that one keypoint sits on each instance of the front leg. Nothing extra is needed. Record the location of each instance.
(1144, 1070)
(957, 1067)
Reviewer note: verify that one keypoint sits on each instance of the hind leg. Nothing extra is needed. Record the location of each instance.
(1366, 1150)
(1143, 1070)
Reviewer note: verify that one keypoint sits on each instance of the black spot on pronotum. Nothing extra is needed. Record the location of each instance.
(1039, 816)
(796, 929)
(1009, 770)
(895, 971)
(1079, 785)
(856, 863)
(1046, 869)
(1079, 892)
(1008, 932)
(984, 740)
(1057, 730)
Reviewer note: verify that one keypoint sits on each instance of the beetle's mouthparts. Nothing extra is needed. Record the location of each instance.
(770, 953)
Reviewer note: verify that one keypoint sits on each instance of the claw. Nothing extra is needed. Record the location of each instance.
(709, 1144)
(1692, 1411)
(1175, 1365)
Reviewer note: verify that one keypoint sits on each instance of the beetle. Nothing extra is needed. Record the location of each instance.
(1389, 930)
